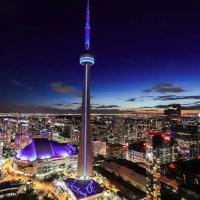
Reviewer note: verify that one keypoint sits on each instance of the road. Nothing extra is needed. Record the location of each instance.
(38, 186)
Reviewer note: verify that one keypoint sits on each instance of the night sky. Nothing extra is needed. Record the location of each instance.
(147, 54)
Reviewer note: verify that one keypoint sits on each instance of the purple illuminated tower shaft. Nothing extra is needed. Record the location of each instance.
(85, 157)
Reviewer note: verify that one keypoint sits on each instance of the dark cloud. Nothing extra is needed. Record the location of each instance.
(191, 106)
(161, 106)
(164, 88)
(157, 106)
(171, 90)
(163, 85)
(65, 104)
(186, 106)
(92, 104)
(58, 87)
(58, 104)
(64, 89)
(16, 82)
(15, 108)
(194, 107)
(76, 103)
(144, 107)
(18, 108)
(131, 99)
(147, 96)
(95, 104)
(174, 97)
(147, 90)
(107, 106)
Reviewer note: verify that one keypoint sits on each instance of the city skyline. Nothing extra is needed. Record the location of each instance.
(100, 100)
(147, 55)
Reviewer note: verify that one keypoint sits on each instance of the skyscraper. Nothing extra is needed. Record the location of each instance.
(85, 157)
(158, 152)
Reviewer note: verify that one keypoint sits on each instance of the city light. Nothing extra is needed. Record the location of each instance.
(126, 129)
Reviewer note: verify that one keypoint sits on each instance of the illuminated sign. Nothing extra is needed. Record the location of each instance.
(83, 188)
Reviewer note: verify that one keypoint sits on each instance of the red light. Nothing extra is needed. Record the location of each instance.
(172, 166)
(198, 157)
(167, 138)
(158, 133)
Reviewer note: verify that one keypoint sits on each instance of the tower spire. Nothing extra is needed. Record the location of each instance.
(87, 27)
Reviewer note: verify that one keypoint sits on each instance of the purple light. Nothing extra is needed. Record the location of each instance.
(45, 149)
(77, 189)
(87, 28)
(83, 188)
(45, 156)
(90, 187)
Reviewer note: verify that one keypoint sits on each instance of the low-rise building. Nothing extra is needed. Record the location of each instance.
(43, 156)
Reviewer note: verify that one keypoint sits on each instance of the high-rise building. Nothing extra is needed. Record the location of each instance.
(85, 157)
(99, 148)
(180, 180)
(186, 141)
(173, 110)
(137, 152)
(74, 137)
(46, 133)
(2, 142)
(198, 122)
(118, 131)
(158, 152)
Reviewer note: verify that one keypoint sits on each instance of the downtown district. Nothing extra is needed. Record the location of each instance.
(135, 156)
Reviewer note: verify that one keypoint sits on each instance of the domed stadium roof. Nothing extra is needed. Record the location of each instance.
(40, 149)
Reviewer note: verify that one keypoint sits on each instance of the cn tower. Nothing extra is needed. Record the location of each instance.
(85, 156)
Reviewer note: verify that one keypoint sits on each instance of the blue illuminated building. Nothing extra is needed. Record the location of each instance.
(43, 156)
(40, 149)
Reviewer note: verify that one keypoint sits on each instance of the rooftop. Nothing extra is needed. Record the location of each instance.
(183, 169)
(9, 185)
(83, 188)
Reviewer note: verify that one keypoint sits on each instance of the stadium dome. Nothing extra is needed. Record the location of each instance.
(40, 149)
